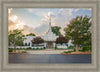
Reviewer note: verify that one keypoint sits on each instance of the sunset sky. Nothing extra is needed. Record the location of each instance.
(36, 20)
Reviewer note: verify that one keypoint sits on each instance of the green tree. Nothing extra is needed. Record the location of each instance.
(30, 34)
(56, 30)
(15, 38)
(20, 43)
(79, 30)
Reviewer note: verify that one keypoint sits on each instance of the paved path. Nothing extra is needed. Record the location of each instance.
(48, 58)
(47, 51)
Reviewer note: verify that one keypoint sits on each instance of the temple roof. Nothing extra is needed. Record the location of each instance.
(49, 36)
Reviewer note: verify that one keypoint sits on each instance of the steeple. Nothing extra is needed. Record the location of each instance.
(49, 24)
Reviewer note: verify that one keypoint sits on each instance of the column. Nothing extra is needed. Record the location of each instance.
(54, 44)
(44, 44)
(30, 44)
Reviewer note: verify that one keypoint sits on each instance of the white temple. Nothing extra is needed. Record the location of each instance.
(49, 36)
(49, 39)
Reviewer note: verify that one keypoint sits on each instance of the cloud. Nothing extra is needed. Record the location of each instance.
(61, 19)
(19, 25)
(77, 9)
(27, 29)
(9, 10)
(15, 23)
(87, 8)
(37, 20)
(66, 12)
(37, 12)
(30, 10)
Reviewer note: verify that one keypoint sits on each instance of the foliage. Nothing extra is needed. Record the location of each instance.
(74, 49)
(30, 34)
(86, 48)
(37, 40)
(10, 50)
(44, 47)
(29, 48)
(20, 43)
(15, 38)
(55, 47)
(61, 40)
(56, 30)
(70, 47)
(79, 30)
(23, 52)
(68, 51)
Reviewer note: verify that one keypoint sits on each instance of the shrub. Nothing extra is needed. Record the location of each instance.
(29, 48)
(70, 47)
(23, 52)
(86, 48)
(10, 50)
(55, 47)
(74, 50)
(44, 47)
(68, 51)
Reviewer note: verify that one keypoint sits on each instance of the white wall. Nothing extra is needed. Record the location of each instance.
(69, 43)
(28, 39)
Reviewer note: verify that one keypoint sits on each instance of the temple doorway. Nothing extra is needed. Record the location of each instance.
(49, 45)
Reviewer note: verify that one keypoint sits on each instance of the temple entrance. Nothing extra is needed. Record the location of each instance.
(49, 44)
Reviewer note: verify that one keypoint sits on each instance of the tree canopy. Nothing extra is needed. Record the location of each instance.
(61, 40)
(56, 30)
(37, 40)
(30, 34)
(15, 38)
(79, 30)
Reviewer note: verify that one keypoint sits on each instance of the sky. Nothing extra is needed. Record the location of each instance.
(36, 20)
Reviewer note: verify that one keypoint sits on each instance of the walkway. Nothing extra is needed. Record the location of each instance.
(47, 51)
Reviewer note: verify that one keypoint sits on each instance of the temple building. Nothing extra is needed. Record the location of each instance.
(49, 38)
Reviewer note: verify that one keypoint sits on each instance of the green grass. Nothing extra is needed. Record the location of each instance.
(61, 48)
(10, 50)
(23, 52)
(68, 51)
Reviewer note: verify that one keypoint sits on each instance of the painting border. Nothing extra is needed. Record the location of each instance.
(6, 67)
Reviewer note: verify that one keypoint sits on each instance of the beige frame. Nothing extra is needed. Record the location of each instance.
(6, 67)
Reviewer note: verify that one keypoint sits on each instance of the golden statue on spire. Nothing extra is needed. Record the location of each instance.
(50, 18)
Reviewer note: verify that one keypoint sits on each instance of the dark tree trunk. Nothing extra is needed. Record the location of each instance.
(76, 47)
(14, 48)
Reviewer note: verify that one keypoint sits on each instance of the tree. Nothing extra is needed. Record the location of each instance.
(15, 38)
(20, 43)
(61, 40)
(30, 34)
(37, 40)
(79, 30)
(56, 30)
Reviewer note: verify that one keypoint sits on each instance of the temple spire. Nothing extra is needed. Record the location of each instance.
(50, 18)
(50, 24)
